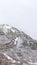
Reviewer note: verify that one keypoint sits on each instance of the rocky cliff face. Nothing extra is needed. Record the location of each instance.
(16, 47)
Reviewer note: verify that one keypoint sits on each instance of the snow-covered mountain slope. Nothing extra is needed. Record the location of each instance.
(17, 47)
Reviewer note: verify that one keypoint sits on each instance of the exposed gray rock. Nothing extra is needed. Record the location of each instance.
(16, 47)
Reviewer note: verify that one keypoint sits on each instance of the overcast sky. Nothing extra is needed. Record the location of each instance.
(21, 14)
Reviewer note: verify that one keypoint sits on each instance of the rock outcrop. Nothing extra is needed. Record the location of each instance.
(16, 47)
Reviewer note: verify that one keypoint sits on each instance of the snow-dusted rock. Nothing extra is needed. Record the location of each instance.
(16, 47)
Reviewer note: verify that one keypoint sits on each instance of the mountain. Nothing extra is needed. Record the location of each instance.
(16, 47)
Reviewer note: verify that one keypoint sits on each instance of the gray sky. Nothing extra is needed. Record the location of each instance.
(21, 14)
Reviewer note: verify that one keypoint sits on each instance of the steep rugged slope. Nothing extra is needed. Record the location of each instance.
(16, 47)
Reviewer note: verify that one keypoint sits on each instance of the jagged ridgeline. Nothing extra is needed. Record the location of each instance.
(8, 34)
